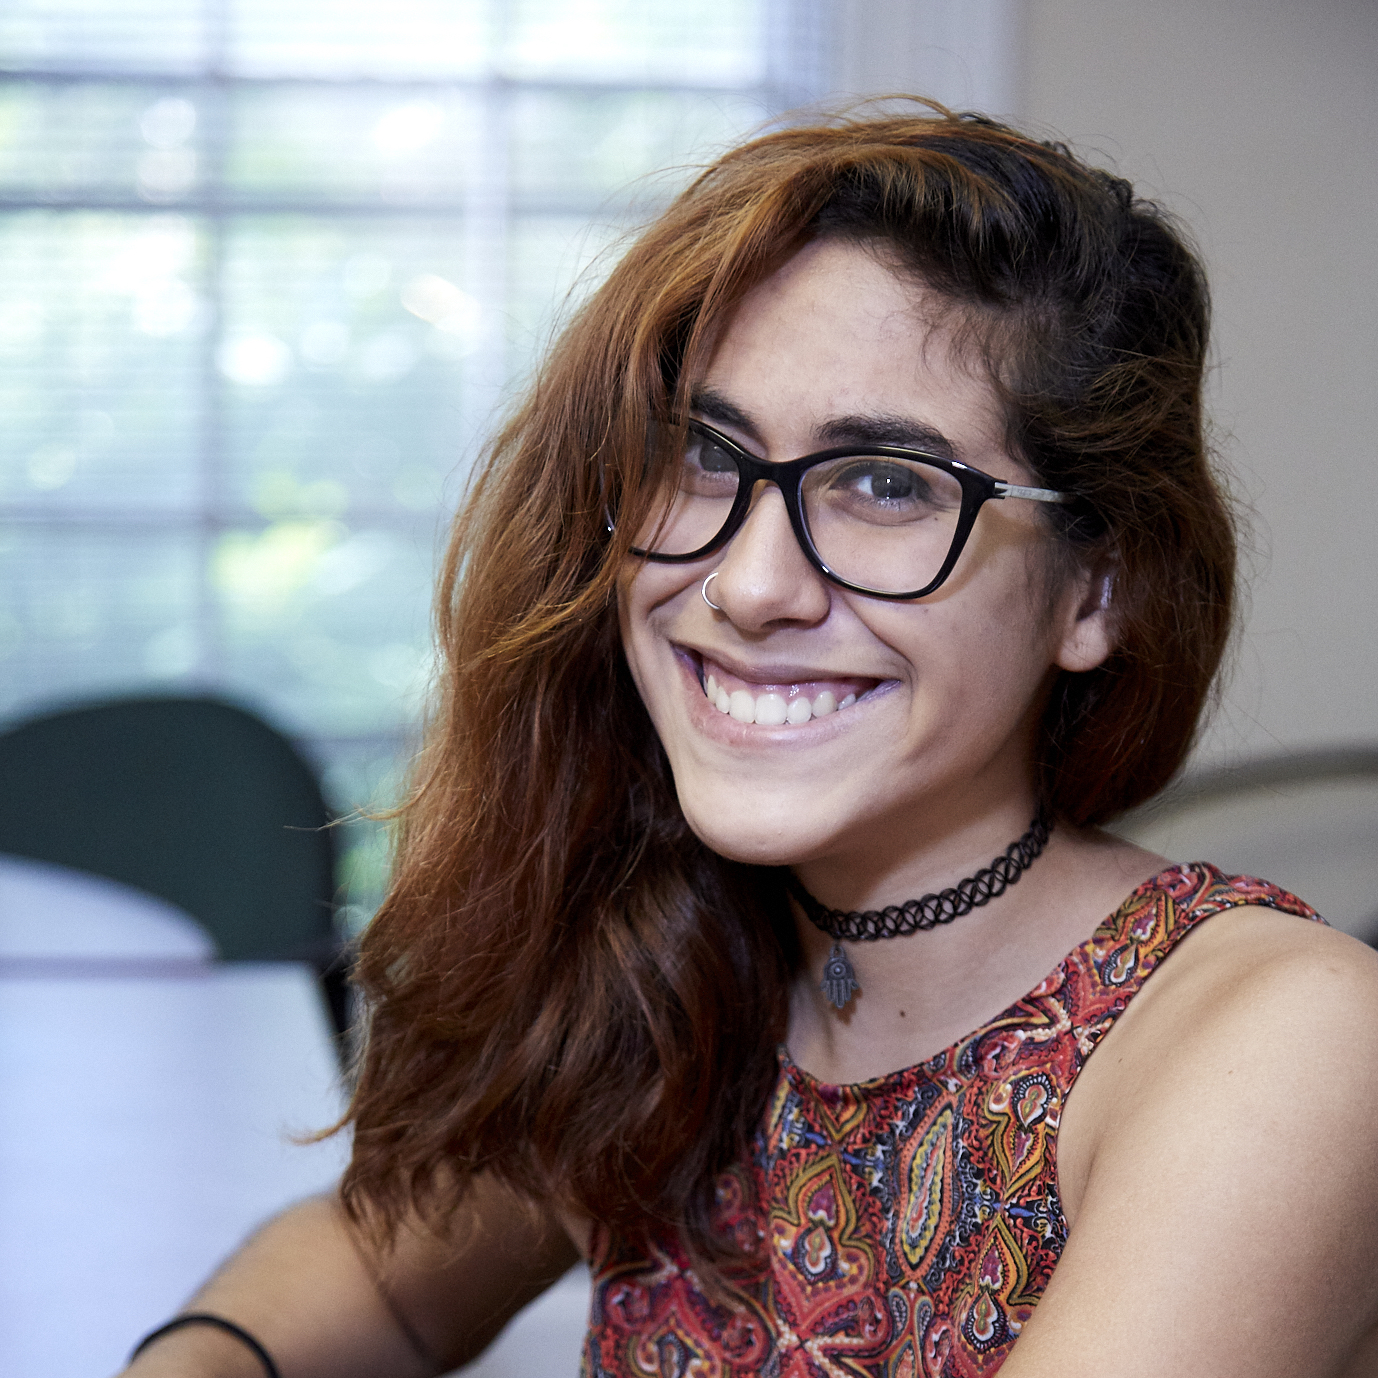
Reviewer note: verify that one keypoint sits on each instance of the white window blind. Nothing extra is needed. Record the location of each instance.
(268, 269)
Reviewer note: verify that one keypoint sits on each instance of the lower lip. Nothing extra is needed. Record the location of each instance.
(725, 728)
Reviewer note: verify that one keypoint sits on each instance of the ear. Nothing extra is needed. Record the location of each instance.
(1087, 619)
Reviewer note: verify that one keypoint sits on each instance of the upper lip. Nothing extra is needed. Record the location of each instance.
(779, 672)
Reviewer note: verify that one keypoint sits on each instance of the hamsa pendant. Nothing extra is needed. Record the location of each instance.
(839, 977)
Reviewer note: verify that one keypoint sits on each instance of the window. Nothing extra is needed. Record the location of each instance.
(269, 270)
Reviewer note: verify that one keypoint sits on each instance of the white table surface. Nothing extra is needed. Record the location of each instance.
(144, 1125)
(56, 916)
(148, 1099)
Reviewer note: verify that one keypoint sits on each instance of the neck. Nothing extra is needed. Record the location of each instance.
(931, 848)
(922, 992)
(924, 912)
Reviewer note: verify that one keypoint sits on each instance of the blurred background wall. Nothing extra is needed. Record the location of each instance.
(1257, 122)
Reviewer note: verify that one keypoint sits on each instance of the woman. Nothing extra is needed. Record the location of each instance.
(859, 525)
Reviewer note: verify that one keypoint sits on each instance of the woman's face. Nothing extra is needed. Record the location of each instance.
(946, 691)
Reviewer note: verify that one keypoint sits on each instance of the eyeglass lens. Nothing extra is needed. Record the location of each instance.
(880, 522)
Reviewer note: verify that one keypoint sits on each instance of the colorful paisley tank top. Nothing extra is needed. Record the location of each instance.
(911, 1222)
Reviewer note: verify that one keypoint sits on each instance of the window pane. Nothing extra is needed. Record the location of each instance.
(100, 359)
(85, 611)
(554, 262)
(326, 626)
(713, 42)
(68, 140)
(388, 146)
(77, 35)
(345, 38)
(579, 149)
(343, 364)
(361, 776)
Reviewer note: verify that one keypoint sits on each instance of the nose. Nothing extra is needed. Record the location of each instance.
(764, 578)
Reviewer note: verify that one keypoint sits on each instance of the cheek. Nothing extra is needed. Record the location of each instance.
(630, 622)
(981, 655)
(641, 596)
(626, 605)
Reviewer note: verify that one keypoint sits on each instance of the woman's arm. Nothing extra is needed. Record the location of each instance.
(324, 1305)
(1222, 1169)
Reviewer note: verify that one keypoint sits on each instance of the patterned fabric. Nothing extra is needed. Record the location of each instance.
(912, 1222)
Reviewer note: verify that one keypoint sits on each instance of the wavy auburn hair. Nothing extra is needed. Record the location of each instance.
(566, 989)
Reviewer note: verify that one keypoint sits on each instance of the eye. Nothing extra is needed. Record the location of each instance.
(706, 469)
(705, 455)
(889, 483)
(882, 491)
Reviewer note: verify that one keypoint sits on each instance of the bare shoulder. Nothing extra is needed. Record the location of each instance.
(1255, 978)
(1253, 995)
(1219, 1161)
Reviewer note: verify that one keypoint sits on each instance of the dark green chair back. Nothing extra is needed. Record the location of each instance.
(191, 799)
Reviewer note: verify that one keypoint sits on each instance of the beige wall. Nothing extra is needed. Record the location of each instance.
(1257, 121)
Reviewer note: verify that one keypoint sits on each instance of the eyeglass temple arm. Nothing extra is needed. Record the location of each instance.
(1016, 490)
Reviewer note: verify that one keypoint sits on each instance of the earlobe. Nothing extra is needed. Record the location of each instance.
(1089, 631)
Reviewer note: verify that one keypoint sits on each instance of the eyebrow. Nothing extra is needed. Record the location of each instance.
(713, 406)
(869, 428)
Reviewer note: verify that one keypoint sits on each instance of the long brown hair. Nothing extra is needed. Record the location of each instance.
(565, 988)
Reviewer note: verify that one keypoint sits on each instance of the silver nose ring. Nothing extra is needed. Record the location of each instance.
(704, 591)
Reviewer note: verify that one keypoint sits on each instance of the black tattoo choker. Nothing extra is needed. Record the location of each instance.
(896, 920)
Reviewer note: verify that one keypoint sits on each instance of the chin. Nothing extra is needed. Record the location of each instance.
(757, 836)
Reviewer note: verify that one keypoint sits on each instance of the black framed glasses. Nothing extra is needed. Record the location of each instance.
(875, 519)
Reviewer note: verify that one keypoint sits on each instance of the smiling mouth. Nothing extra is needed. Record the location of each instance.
(778, 705)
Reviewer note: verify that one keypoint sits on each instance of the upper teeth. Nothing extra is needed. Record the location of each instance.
(771, 710)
